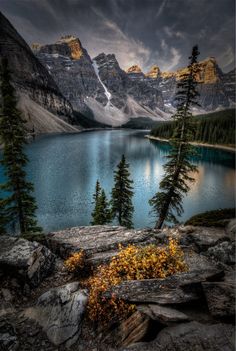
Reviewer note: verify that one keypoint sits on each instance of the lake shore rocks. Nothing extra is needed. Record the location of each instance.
(43, 306)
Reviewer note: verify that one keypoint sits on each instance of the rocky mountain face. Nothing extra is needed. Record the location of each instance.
(71, 67)
(217, 89)
(99, 88)
(38, 92)
(229, 80)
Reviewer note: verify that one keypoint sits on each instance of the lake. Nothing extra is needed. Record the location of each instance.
(64, 170)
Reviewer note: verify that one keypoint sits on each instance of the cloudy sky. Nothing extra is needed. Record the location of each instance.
(143, 32)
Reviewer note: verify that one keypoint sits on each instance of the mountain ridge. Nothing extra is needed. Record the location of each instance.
(132, 92)
(39, 95)
(63, 79)
(87, 87)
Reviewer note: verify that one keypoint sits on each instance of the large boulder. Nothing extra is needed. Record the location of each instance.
(175, 289)
(59, 311)
(29, 261)
(99, 242)
(199, 238)
(191, 336)
(199, 262)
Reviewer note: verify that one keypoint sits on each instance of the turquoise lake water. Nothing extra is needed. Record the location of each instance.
(64, 170)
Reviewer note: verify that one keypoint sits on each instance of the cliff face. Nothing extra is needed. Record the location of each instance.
(28, 75)
(217, 89)
(71, 67)
(122, 86)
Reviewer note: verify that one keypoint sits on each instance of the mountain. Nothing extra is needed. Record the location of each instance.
(61, 88)
(102, 91)
(99, 88)
(216, 89)
(41, 101)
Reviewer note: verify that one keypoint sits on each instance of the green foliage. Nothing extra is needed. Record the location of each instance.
(216, 218)
(213, 128)
(18, 208)
(176, 180)
(121, 203)
(101, 213)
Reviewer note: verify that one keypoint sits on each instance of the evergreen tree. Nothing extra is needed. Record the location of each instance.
(97, 192)
(18, 207)
(121, 202)
(101, 212)
(175, 182)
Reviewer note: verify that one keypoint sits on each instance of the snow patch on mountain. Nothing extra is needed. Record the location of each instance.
(107, 93)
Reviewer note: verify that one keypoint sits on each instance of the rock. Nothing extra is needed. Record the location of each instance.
(223, 252)
(199, 262)
(129, 331)
(154, 72)
(102, 240)
(59, 311)
(7, 295)
(175, 289)
(30, 261)
(8, 337)
(201, 238)
(231, 229)
(101, 257)
(191, 336)
(163, 314)
(30, 77)
(220, 297)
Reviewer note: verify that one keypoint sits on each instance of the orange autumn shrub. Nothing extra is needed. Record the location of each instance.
(131, 263)
(75, 262)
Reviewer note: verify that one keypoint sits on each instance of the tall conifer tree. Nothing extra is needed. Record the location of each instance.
(101, 213)
(97, 191)
(18, 208)
(175, 182)
(122, 193)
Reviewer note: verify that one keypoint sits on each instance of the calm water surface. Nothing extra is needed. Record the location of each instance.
(64, 170)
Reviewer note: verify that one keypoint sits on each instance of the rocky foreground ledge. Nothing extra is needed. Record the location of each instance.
(43, 307)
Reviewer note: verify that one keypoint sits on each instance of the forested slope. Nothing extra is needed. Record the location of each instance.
(213, 128)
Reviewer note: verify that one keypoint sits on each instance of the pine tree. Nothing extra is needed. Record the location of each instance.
(122, 193)
(175, 182)
(97, 192)
(18, 207)
(101, 212)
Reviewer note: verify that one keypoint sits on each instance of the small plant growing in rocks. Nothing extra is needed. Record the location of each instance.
(131, 263)
(75, 262)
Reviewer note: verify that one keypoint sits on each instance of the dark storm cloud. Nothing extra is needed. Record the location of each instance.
(145, 32)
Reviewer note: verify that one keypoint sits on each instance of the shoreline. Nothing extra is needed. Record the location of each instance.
(214, 146)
